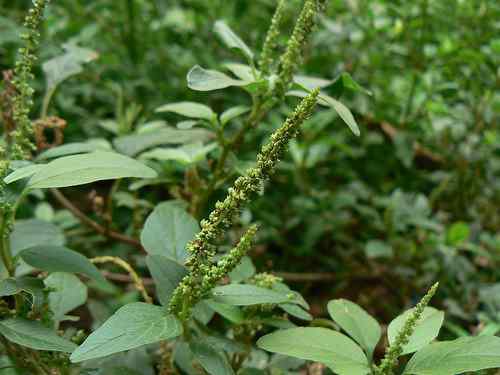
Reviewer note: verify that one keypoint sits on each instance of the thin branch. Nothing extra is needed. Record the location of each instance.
(134, 277)
(84, 219)
(317, 277)
(320, 277)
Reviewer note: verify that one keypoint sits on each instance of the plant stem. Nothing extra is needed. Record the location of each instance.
(5, 246)
(127, 267)
(84, 219)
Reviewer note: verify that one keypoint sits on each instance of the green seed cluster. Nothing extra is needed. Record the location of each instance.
(394, 351)
(23, 101)
(202, 248)
(292, 57)
(229, 262)
(271, 41)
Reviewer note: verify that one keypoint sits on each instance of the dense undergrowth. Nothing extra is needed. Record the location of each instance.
(186, 96)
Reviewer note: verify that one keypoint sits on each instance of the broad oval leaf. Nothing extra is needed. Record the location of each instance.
(60, 259)
(200, 79)
(135, 143)
(187, 154)
(189, 109)
(133, 325)
(34, 335)
(67, 293)
(332, 348)
(167, 231)
(86, 168)
(231, 39)
(167, 274)
(70, 63)
(33, 232)
(245, 295)
(456, 357)
(213, 361)
(357, 323)
(426, 330)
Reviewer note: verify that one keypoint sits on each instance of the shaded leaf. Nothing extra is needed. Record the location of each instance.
(60, 259)
(167, 274)
(188, 154)
(67, 293)
(244, 295)
(135, 143)
(231, 39)
(34, 335)
(200, 79)
(167, 231)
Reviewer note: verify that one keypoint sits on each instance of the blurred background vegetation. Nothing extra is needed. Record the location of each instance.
(377, 219)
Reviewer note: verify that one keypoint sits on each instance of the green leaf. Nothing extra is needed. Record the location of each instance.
(60, 259)
(296, 311)
(245, 295)
(16, 285)
(457, 234)
(231, 313)
(86, 168)
(189, 109)
(243, 271)
(456, 357)
(311, 83)
(200, 79)
(426, 330)
(232, 113)
(34, 335)
(337, 351)
(345, 81)
(167, 274)
(231, 39)
(242, 71)
(133, 144)
(23, 172)
(167, 231)
(203, 313)
(378, 249)
(34, 232)
(70, 63)
(325, 100)
(357, 323)
(75, 148)
(188, 154)
(132, 326)
(67, 293)
(344, 112)
(213, 361)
